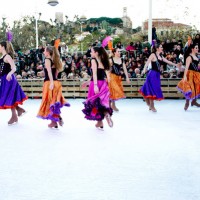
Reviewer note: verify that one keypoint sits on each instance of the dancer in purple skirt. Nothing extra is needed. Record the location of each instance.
(151, 90)
(11, 94)
(97, 107)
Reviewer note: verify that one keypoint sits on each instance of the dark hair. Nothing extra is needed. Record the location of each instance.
(103, 56)
(155, 47)
(115, 50)
(4, 44)
(192, 46)
(8, 47)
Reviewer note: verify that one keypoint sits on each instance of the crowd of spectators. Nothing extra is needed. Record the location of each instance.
(77, 66)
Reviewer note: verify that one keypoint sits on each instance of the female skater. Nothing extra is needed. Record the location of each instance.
(97, 107)
(115, 84)
(190, 84)
(52, 98)
(151, 90)
(11, 94)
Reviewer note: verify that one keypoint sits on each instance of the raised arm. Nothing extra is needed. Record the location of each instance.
(169, 62)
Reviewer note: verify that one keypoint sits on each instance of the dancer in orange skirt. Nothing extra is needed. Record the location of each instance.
(115, 84)
(190, 84)
(52, 98)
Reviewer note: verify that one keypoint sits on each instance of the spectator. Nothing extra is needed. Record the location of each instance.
(130, 48)
(186, 50)
(197, 39)
(154, 35)
(119, 45)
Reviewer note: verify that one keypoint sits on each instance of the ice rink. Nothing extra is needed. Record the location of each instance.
(145, 156)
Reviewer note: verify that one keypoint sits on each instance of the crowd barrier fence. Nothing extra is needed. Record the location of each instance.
(73, 89)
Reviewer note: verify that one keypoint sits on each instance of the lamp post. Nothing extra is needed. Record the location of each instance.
(81, 38)
(4, 25)
(53, 2)
(150, 23)
(80, 22)
(3, 18)
(36, 32)
(36, 28)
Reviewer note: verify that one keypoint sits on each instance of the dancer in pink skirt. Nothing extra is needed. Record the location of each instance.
(97, 107)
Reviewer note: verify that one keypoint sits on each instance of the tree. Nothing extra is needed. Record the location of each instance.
(23, 33)
(3, 29)
(111, 21)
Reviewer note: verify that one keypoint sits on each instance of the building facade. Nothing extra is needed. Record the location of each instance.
(165, 27)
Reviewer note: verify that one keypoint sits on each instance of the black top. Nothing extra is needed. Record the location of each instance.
(194, 65)
(115, 69)
(5, 68)
(53, 71)
(100, 72)
(155, 65)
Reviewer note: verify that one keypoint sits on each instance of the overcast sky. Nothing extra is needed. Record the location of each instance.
(183, 11)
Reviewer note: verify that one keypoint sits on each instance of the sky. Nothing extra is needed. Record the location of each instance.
(179, 11)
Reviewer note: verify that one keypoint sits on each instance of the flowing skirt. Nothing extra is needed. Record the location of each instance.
(191, 87)
(116, 87)
(152, 86)
(11, 93)
(52, 102)
(97, 105)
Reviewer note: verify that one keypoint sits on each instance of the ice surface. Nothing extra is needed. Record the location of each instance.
(145, 156)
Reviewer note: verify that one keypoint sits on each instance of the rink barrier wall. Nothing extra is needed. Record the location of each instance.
(73, 89)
